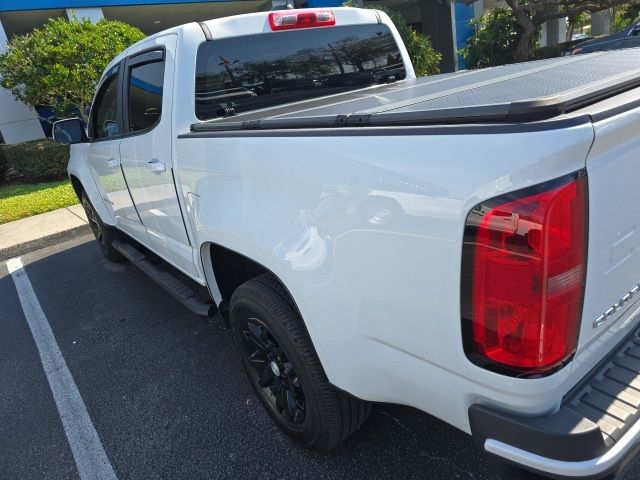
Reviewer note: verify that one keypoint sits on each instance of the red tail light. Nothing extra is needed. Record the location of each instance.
(524, 265)
(292, 19)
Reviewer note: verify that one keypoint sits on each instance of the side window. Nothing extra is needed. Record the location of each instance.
(144, 104)
(104, 114)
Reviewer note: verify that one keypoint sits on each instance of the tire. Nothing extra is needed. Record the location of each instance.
(105, 235)
(284, 371)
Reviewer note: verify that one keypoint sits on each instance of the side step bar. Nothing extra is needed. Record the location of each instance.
(172, 284)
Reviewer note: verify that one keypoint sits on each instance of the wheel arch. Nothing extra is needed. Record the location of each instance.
(227, 268)
(94, 197)
(78, 188)
(222, 280)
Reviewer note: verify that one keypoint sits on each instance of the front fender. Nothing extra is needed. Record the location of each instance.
(79, 168)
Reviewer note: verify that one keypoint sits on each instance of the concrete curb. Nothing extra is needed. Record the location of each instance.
(39, 231)
(47, 241)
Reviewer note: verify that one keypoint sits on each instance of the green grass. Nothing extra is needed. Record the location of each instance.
(21, 201)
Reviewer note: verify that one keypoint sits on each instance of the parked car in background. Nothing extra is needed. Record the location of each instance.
(627, 38)
(580, 36)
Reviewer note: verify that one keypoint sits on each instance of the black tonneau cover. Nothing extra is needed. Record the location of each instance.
(514, 93)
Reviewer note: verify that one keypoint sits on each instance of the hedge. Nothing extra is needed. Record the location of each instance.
(34, 161)
(555, 50)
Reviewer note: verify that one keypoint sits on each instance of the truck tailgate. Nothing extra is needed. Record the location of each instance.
(613, 268)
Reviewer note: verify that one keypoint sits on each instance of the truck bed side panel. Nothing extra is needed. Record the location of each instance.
(366, 230)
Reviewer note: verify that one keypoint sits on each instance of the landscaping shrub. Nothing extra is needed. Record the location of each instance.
(60, 63)
(35, 161)
(495, 41)
(426, 60)
(554, 50)
(625, 16)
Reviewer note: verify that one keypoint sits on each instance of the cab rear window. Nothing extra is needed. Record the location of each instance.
(247, 73)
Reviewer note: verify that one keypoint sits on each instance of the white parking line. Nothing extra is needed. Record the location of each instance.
(90, 457)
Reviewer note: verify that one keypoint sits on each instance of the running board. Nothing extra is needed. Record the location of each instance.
(172, 284)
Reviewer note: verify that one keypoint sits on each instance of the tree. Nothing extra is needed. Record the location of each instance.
(60, 63)
(626, 15)
(426, 60)
(497, 34)
(531, 14)
(579, 20)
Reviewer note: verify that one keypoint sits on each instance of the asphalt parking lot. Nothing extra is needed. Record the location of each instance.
(166, 396)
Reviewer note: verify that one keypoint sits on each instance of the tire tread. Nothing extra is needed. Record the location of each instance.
(108, 232)
(342, 414)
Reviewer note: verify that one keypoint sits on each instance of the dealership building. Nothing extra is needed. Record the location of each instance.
(445, 22)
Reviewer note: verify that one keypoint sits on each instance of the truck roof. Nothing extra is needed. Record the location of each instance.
(521, 92)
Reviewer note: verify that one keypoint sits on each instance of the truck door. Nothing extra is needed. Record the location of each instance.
(146, 149)
(105, 133)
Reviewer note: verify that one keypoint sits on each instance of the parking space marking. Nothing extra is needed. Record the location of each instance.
(88, 453)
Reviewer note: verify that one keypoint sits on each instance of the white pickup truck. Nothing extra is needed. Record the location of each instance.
(466, 244)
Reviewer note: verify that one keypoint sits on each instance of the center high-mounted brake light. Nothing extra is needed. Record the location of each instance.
(293, 19)
(524, 266)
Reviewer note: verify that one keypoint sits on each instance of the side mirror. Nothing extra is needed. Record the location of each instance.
(69, 131)
(636, 31)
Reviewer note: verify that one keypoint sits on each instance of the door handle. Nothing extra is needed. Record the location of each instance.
(113, 163)
(156, 166)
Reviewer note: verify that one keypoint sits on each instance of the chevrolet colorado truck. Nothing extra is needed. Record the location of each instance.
(466, 244)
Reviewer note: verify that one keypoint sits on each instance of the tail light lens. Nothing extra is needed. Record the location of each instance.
(292, 19)
(524, 266)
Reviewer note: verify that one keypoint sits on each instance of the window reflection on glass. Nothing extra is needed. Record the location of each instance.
(145, 95)
(233, 76)
(104, 120)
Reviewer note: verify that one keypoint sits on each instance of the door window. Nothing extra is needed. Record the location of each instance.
(145, 95)
(105, 121)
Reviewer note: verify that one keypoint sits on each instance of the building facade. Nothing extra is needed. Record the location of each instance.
(445, 22)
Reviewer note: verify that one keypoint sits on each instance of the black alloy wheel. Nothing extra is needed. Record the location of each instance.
(272, 372)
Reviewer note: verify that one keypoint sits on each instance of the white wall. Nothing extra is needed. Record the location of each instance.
(279, 3)
(478, 8)
(601, 23)
(92, 14)
(18, 123)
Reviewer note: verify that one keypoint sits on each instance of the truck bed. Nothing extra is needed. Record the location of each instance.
(513, 93)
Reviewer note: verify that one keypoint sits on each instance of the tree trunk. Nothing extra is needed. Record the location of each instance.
(529, 30)
(524, 51)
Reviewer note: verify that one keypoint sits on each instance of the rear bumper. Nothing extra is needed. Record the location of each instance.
(595, 434)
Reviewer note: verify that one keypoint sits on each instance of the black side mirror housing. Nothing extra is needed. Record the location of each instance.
(69, 131)
(635, 31)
